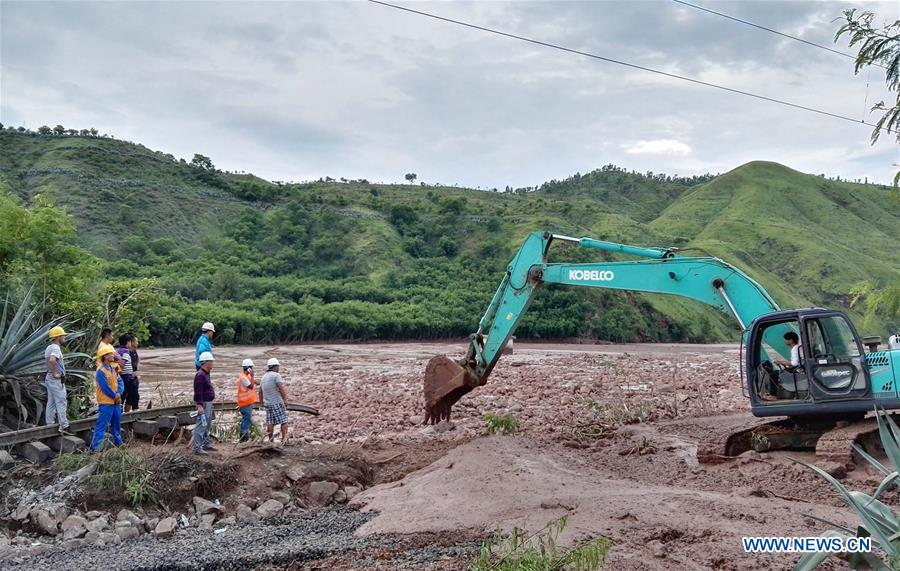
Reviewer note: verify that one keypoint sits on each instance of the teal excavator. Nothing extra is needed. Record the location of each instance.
(824, 383)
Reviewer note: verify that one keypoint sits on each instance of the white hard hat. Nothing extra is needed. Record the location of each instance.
(273, 362)
(208, 327)
(247, 363)
(206, 356)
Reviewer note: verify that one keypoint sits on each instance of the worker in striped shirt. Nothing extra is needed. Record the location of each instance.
(130, 394)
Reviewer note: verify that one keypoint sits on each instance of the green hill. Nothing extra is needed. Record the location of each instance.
(331, 259)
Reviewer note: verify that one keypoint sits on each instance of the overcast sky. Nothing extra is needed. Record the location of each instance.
(300, 90)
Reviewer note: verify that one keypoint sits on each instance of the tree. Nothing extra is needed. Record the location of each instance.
(72, 132)
(21, 129)
(410, 177)
(59, 130)
(203, 162)
(93, 132)
(880, 47)
(85, 132)
(45, 130)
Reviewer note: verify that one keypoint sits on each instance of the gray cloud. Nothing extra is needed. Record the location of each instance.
(301, 90)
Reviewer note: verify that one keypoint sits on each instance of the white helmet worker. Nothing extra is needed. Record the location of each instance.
(273, 362)
(247, 363)
(208, 327)
(206, 356)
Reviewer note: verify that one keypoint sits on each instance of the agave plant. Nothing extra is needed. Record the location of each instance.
(876, 519)
(23, 338)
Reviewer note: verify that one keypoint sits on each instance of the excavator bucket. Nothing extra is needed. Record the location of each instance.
(446, 381)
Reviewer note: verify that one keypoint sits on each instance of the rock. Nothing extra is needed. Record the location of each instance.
(834, 469)
(6, 461)
(444, 426)
(245, 514)
(72, 543)
(126, 533)
(109, 539)
(657, 549)
(122, 524)
(99, 525)
(94, 514)
(150, 523)
(129, 516)
(207, 521)
(165, 527)
(270, 508)
(319, 493)
(230, 520)
(415, 420)
(203, 506)
(91, 537)
(340, 497)
(352, 491)
(45, 522)
(21, 513)
(281, 497)
(74, 527)
(295, 474)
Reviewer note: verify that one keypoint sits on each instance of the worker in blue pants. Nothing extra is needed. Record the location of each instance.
(109, 399)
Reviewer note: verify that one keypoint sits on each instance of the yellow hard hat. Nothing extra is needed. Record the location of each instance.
(104, 349)
(56, 332)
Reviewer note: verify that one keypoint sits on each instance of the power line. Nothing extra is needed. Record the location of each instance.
(626, 64)
(748, 23)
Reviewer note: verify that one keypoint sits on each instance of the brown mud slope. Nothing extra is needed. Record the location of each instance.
(659, 515)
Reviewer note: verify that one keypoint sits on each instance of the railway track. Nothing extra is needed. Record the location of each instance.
(40, 443)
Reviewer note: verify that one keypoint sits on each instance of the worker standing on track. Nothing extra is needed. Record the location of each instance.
(246, 397)
(55, 380)
(204, 342)
(274, 397)
(109, 399)
(130, 395)
(204, 395)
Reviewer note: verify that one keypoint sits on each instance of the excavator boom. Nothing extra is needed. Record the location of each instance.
(662, 270)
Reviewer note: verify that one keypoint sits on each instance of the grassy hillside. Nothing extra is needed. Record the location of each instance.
(336, 259)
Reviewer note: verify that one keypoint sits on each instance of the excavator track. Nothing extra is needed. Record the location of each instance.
(831, 439)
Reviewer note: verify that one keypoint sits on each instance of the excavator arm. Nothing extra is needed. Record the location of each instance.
(663, 270)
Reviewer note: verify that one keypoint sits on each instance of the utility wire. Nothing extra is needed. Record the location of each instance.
(748, 23)
(627, 64)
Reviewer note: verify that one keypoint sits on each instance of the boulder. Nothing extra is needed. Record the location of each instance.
(99, 525)
(340, 497)
(93, 514)
(203, 507)
(109, 539)
(206, 521)
(165, 527)
(6, 461)
(295, 474)
(320, 493)
(150, 523)
(282, 497)
(230, 520)
(91, 537)
(270, 508)
(45, 521)
(245, 513)
(73, 527)
(126, 533)
(444, 426)
(129, 516)
(352, 491)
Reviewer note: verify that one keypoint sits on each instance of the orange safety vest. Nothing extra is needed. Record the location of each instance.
(245, 395)
(112, 379)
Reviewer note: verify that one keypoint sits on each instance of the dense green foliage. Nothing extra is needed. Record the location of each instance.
(321, 260)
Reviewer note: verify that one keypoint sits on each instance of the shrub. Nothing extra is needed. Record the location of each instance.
(507, 424)
(517, 551)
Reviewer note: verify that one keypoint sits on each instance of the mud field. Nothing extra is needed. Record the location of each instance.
(607, 435)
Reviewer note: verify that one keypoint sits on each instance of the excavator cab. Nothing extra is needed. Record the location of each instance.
(832, 376)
